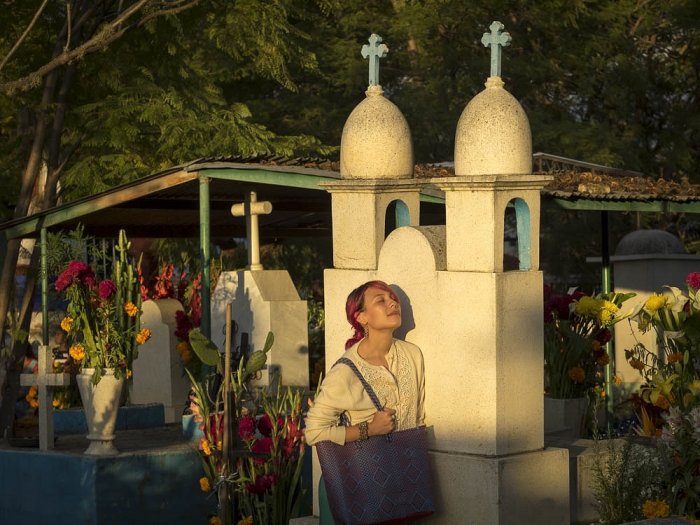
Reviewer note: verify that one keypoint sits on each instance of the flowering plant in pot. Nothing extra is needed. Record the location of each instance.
(102, 321)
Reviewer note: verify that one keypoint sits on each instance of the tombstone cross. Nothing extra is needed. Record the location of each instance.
(250, 209)
(375, 50)
(496, 39)
(45, 380)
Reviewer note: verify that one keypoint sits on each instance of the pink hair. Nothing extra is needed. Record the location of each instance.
(356, 303)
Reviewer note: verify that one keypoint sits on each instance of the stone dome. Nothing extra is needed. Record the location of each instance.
(642, 242)
(376, 141)
(493, 135)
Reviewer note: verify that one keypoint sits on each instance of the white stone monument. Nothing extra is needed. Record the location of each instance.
(480, 328)
(263, 301)
(644, 262)
(158, 371)
(45, 379)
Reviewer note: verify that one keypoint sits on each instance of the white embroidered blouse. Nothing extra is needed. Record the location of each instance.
(401, 387)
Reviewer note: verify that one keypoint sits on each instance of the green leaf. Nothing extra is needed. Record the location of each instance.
(206, 350)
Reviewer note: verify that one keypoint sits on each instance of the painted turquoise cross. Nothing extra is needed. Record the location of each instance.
(496, 39)
(375, 50)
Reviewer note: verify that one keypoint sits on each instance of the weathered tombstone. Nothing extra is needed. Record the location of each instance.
(45, 379)
(158, 372)
(263, 301)
(480, 327)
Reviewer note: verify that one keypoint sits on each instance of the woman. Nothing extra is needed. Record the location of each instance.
(393, 368)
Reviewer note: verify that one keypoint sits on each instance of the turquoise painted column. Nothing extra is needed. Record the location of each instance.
(606, 287)
(44, 288)
(205, 253)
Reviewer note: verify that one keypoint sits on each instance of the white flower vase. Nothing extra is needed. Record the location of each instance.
(101, 406)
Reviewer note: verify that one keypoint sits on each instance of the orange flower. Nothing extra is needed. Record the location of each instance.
(674, 357)
(143, 336)
(66, 323)
(663, 402)
(204, 445)
(129, 374)
(77, 352)
(577, 374)
(595, 345)
(657, 508)
(131, 309)
(604, 359)
(56, 403)
(204, 484)
(617, 379)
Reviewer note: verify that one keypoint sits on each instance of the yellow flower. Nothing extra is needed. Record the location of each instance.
(577, 374)
(204, 445)
(204, 484)
(143, 336)
(66, 323)
(77, 352)
(588, 307)
(607, 312)
(656, 508)
(129, 374)
(131, 309)
(655, 302)
(214, 520)
(33, 403)
(246, 521)
(617, 379)
(56, 403)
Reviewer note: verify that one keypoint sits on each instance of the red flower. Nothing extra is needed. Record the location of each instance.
(693, 280)
(603, 336)
(262, 483)
(107, 289)
(77, 271)
(246, 428)
(265, 425)
(183, 325)
(262, 446)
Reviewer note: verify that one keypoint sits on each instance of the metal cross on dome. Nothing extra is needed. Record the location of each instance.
(375, 50)
(496, 40)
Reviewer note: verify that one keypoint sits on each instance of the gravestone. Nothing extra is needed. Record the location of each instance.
(265, 301)
(158, 372)
(480, 327)
(45, 379)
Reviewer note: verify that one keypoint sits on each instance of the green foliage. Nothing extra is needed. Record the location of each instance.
(204, 348)
(625, 475)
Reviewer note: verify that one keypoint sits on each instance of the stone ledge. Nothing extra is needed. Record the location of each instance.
(305, 520)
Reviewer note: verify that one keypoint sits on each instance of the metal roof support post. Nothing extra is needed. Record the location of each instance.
(205, 253)
(606, 287)
(44, 288)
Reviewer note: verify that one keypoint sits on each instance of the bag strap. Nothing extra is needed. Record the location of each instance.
(370, 391)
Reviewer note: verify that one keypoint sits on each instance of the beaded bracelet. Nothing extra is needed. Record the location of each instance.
(363, 431)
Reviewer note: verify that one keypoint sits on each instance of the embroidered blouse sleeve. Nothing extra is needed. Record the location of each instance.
(321, 422)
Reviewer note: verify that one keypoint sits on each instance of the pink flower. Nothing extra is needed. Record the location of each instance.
(107, 289)
(246, 428)
(693, 280)
(77, 271)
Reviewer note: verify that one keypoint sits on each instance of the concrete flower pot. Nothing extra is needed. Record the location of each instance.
(101, 406)
(565, 417)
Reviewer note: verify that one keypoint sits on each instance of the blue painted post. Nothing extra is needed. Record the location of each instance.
(374, 51)
(205, 253)
(403, 216)
(496, 40)
(522, 220)
(606, 277)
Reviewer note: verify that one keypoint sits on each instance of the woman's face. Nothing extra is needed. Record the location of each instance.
(382, 310)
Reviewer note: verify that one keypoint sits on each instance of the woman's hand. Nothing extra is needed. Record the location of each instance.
(382, 423)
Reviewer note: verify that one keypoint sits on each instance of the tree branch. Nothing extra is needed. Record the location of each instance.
(24, 35)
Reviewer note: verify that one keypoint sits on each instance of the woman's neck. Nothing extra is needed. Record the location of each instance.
(377, 344)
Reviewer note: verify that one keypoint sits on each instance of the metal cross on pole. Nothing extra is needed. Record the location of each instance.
(375, 50)
(45, 380)
(250, 209)
(496, 40)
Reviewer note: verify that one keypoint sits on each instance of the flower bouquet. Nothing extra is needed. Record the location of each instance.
(102, 320)
(267, 445)
(576, 328)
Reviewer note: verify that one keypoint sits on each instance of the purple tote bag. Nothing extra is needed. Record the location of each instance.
(382, 480)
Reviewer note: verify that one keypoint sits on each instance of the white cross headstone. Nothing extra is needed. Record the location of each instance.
(250, 209)
(45, 379)
(497, 39)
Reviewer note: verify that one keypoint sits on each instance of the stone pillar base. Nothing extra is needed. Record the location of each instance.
(502, 490)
